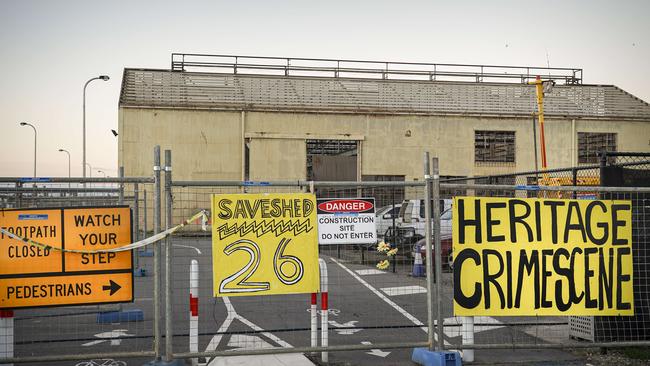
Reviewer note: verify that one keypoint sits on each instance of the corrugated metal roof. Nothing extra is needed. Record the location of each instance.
(183, 90)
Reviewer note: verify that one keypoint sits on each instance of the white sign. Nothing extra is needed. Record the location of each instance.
(346, 221)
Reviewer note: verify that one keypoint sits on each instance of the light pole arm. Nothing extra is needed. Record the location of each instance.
(34, 128)
(83, 166)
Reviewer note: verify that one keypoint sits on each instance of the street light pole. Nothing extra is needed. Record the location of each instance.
(67, 152)
(32, 126)
(101, 77)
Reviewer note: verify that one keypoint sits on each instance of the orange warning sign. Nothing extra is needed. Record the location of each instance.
(65, 277)
(94, 229)
(66, 290)
(16, 256)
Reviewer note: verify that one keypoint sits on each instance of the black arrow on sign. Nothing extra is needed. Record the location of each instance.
(113, 287)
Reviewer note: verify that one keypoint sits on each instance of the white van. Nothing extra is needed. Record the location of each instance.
(412, 213)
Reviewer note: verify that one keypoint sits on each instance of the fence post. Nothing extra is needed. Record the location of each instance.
(136, 223)
(19, 195)
(145, 213)
(120, 174)
(438, 251)
(574, 176)
(156, 253)
(7, 335)
(194, 309)
(427, 244)
(169, 332)
(324, 305)
(468, 338)
(603, 165)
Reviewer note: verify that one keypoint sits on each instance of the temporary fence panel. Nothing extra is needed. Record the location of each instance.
(84, 331)
(365, 307)
(509, 330)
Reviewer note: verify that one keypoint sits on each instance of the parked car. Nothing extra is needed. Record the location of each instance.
(446, 244)
(446, 248)
(401, 238)
(384, 218)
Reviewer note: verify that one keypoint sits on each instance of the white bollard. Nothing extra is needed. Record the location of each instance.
(6, 335)
(468, 338)
(314, 320)
(194, 308)
(324, 308)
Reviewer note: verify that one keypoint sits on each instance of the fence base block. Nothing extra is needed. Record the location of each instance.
(135, 315)
(423, 356)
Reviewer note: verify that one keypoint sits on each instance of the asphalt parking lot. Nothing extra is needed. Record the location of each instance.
(366, 306)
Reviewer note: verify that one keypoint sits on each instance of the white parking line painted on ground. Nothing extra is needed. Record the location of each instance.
(487, 323)
(239, 341)
(406, 314)
(403, 290)
(248, 342)
(366, 272)
(232, 315)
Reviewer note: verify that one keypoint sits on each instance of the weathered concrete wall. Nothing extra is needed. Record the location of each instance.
(209, 144)
(205, 145)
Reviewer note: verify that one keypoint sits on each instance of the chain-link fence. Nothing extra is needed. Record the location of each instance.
(358, 306)
(366, 307)
(86, 331)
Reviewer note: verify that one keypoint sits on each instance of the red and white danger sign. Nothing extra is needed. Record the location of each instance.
(346, 221)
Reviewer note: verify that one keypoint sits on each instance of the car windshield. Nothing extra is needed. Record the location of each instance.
(405, 211)
(382, 210)
(446, 215)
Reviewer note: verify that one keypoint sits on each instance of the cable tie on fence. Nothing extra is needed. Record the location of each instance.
(35, 179)
(144, 242)
(253, 183)
(527, 188)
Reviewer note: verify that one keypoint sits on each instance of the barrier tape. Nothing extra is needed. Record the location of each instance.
(203, 215)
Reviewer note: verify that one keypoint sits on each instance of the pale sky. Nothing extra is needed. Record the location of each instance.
(49, 49)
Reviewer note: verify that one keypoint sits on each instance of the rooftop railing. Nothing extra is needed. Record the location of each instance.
(364, 69)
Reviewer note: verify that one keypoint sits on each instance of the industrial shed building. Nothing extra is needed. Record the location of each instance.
(253, 118)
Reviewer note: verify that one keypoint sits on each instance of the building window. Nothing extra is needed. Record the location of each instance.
(591, 143)
(494, 146)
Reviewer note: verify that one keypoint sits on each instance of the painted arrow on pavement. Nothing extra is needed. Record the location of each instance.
(345, 328)
(375, 351)
(113, 287)
(114, 336)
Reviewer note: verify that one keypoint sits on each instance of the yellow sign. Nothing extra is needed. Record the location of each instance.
(264, 244)
(515, 257)
(31, 275)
